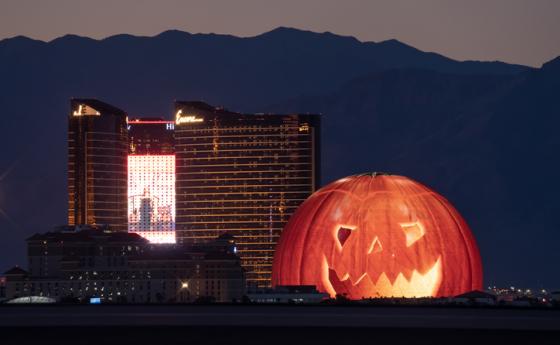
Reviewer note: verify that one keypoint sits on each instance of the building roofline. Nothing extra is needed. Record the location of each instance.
(203, 106)
(98, 105)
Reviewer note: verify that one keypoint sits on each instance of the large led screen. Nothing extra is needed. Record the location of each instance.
(151, 197)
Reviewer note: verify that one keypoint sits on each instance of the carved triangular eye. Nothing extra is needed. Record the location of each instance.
(343, 234)
(413, 231)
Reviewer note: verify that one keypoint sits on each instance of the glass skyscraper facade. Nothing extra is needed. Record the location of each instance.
(242, 174)
(97, 161)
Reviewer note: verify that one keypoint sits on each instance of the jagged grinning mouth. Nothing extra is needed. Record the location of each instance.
(419, 284)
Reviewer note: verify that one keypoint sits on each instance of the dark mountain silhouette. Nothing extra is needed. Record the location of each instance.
(471, 130)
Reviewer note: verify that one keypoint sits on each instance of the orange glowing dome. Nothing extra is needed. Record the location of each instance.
(378, 235)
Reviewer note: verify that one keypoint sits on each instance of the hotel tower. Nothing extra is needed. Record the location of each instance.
(97, 153)
(242, 174)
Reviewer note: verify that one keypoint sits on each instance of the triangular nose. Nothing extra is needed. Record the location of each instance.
(375, 246)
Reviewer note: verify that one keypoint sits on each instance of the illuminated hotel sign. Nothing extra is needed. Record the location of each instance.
(180, 118)
(151, 197)
(84, 110)
(304, 127)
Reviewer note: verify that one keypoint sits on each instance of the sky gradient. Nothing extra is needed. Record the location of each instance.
(515, 31)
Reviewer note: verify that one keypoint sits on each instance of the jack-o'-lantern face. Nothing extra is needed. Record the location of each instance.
(378, 254)
(378, 236)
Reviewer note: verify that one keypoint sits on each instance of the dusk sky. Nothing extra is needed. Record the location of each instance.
(514, 31)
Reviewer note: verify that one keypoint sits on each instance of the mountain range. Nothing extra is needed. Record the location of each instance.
(483, 134)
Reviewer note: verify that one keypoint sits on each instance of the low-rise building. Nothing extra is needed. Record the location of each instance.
(124, 267)
(475, 298)
(288, 294)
